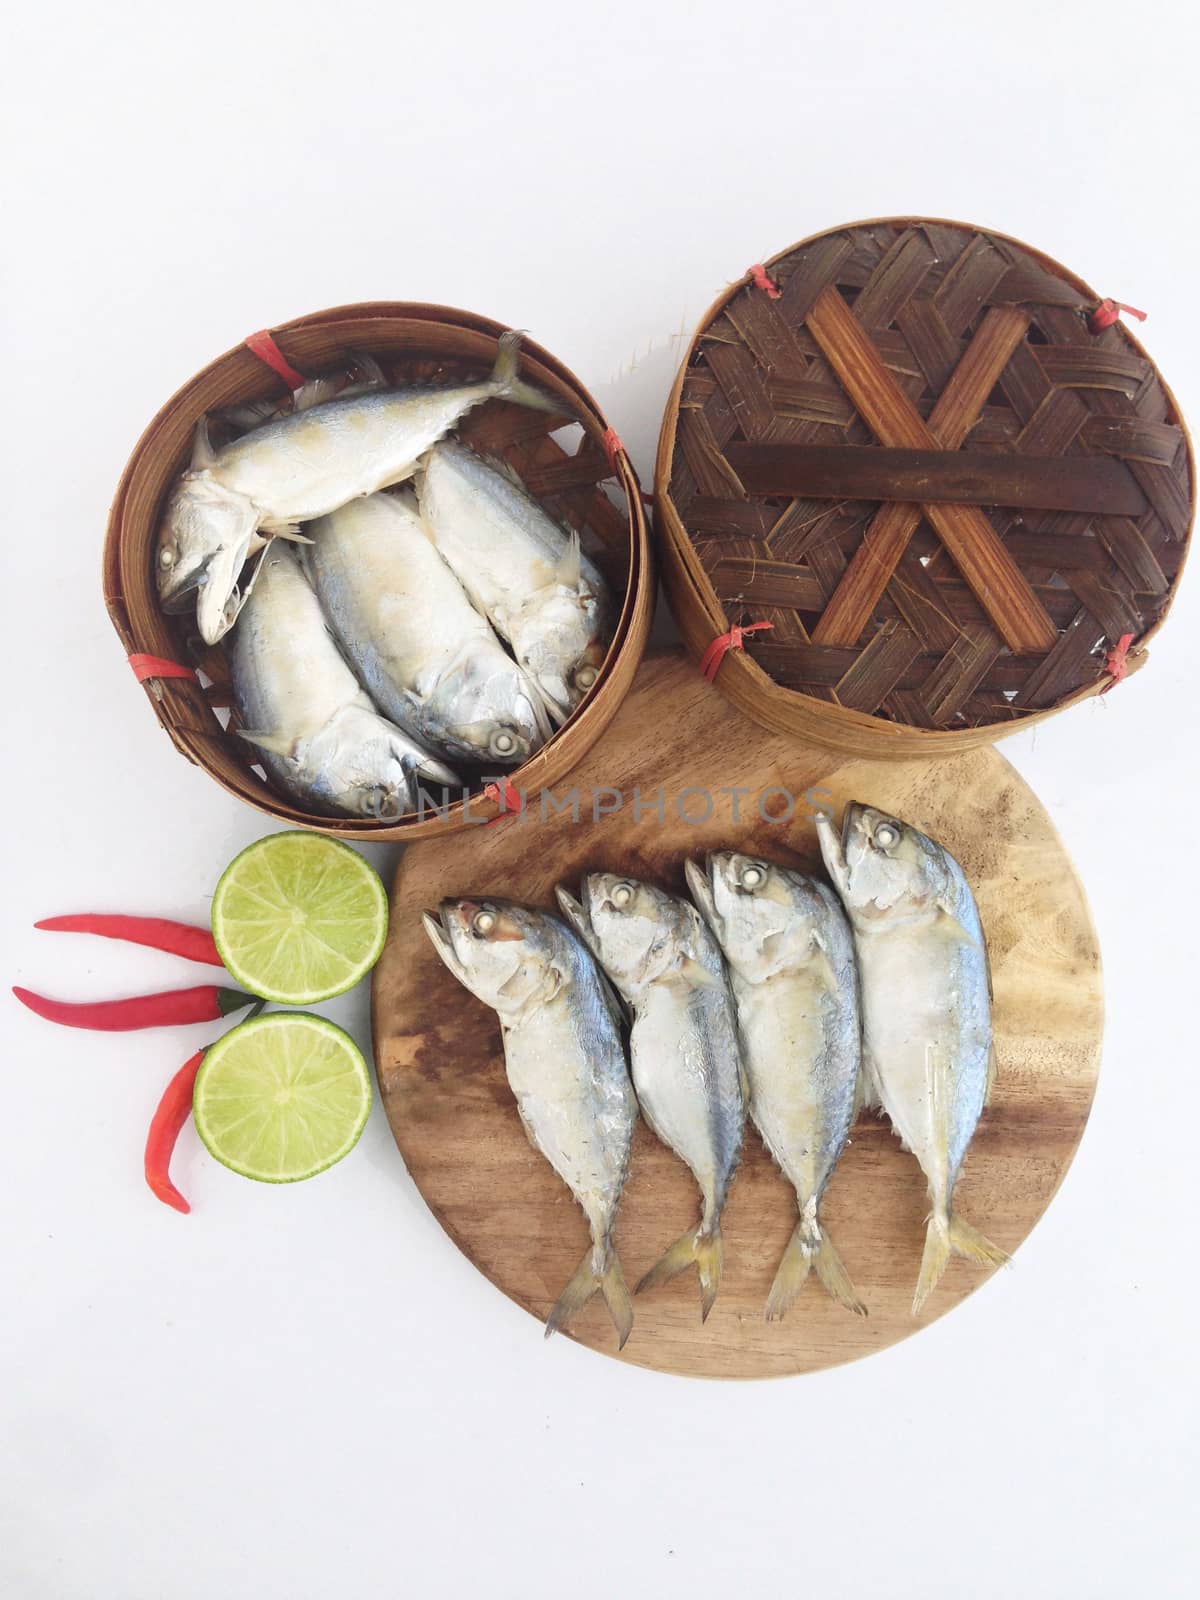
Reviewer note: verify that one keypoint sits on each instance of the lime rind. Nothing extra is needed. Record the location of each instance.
(300, 905)
(282, 1097)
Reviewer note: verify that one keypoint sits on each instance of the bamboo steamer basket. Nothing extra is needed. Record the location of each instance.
(904, 357)
(411, 342)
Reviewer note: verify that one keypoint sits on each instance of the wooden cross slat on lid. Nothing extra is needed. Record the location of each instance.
(973, 544)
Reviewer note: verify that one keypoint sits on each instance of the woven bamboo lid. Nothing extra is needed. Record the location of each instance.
(929, 457)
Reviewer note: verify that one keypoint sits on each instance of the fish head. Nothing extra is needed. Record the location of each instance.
(634, 927)
(490, 711)
(766, 919)
(206, 535)
(892, 869)
(502, 952)
(360, 764)
(560, 645)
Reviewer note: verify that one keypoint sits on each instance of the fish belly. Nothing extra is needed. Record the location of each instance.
(921, 1023)
(580, 1120)
(287, 672)
(674, 1078)
(801, 1093)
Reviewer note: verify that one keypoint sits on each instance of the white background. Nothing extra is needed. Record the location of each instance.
(307, 1391)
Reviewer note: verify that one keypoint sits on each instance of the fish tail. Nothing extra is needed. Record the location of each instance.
(507, 384)
(616, 1298)
(948, 1234)
(835, 1279)
(701, 1247)
(598, 1272)
(810, 1248)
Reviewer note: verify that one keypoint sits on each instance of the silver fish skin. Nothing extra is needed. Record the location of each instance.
(795, 984)
(301, 467)
(428, 659)
(321, 738)
(565, 1064)
(926, 991)
(685, 1056)
(521, 569)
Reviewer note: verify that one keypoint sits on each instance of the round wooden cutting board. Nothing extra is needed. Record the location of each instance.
(441, 1067)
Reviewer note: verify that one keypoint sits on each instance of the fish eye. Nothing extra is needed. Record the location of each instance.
(887, 835)
(482, 923)
(504, 743)
(166, 557)
(586, 677)
(753, 876)
(622, 896)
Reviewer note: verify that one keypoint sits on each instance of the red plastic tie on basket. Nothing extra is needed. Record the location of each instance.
(508, 799)
(612, 447)
(158, 667)
(762, 279)
(1108, 312)
(264, 347)
(712, 658)
(1116, 662)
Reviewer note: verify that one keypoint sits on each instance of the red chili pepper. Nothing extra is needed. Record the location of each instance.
(205, 1003)
(173, 1110)
(176, 938)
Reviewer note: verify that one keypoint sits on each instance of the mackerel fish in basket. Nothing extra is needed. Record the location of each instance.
(300, 467)
(524, 572)
(428, 659)
(321, 738)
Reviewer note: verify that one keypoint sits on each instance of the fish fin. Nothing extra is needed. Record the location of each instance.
(967, 1241)
(317, 391)
(249, 415)
(203, 454)
(277, 743)
(586, 1282)
(705, 1250)
(499, 464)
(992, 1069)
(790, 1275)
(866, 1087)
(698, 975)
(933, 1259)
(808, 1248)
(951, 928)
(835, 1280)
(506, 384)
(945, 1236)
(547, 713)
(426, 765)
(370, 375)
(616, 1298)
(822, 966)
(569, 570)
(289, 531)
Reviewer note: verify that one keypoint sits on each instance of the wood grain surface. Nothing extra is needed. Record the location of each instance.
(441, 1068)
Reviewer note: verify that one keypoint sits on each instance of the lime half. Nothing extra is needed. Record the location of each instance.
(282, 1097)
(299, 918)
